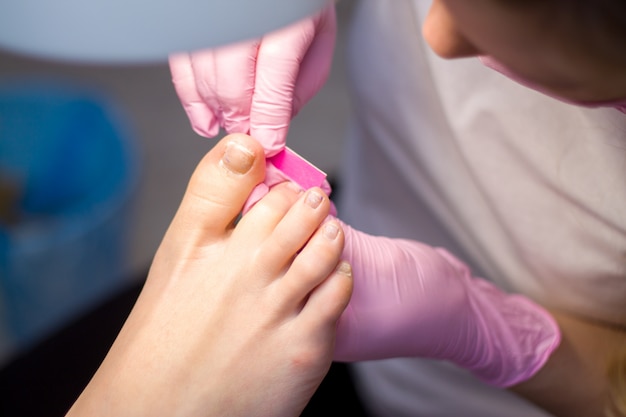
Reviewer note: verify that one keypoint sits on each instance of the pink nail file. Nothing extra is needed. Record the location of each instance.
(298, 169)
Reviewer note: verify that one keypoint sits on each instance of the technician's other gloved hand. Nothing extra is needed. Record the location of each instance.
(257, 86)
(413, 300)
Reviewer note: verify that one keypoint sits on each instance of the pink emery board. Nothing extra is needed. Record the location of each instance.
(298, 169)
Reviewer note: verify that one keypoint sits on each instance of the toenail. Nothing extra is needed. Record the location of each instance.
(294, 187)
(331, 230)
(314, 199)
(237, 158)
(344, 268)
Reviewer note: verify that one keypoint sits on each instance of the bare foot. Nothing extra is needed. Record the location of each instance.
(234, 319)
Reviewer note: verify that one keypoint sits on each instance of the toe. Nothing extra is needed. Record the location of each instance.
(220, 186)
(257, 225)
(328, 301)
(313, 264)
(296, 227)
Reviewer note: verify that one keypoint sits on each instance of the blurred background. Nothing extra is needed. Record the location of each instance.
(155, 151)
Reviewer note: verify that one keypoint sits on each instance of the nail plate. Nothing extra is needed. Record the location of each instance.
(313, 199)
(237, 158)
(344, 268)
(331, 230)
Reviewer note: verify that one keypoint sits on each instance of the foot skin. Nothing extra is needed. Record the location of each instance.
(236, 318)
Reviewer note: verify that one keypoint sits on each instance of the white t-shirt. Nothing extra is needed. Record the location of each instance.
(529, 191)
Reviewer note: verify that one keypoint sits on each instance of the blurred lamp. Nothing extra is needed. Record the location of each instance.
(126, 31)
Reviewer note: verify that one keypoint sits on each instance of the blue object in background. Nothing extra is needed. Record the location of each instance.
(71, 155)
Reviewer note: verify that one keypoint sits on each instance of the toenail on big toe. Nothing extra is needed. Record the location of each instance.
(237, 158)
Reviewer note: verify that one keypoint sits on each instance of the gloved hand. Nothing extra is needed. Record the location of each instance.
(257, 86)
(413, 300)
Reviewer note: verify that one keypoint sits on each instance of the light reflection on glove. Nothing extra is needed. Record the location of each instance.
(257, 86)
(413, 300)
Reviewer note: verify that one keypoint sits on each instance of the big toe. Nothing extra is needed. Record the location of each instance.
(220, 186)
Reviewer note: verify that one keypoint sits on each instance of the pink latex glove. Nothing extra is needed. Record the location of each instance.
(257, 86)
(413, 300)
